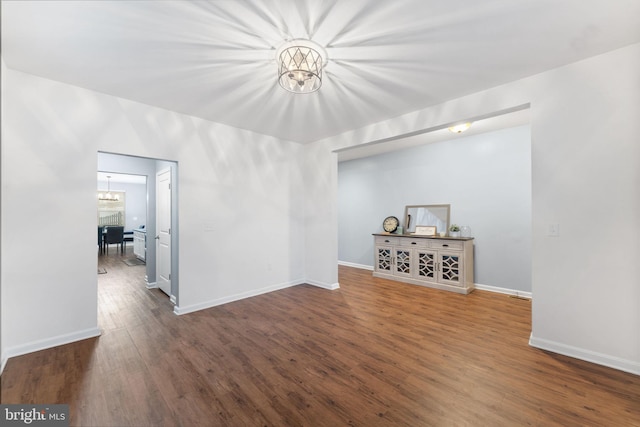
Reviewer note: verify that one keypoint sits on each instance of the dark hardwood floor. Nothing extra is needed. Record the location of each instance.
(374, 352)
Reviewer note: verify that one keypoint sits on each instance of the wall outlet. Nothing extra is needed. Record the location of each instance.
(553, 230)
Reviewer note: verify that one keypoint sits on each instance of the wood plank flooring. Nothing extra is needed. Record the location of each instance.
(373, 353)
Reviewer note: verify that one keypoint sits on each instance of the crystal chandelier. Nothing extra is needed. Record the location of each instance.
(109, 197)
(300, 65)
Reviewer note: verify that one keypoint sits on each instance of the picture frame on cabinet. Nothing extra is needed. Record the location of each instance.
(426, 230)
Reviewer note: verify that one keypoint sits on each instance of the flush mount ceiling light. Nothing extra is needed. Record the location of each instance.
(460, 128)
(300, 64)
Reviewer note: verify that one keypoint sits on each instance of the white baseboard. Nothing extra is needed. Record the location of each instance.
(173, 300)
(354, 265)
(3, 362)
(152, 285)
(507, 291)
(49, 343)
(220, 301)
(587, 355)
(328, 286)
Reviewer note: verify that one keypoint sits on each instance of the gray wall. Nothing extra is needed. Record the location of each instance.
(485, 178)
(135, 202)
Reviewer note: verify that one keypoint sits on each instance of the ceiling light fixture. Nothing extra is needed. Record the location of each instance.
(109, 197)
(460, 128)
(300, 64)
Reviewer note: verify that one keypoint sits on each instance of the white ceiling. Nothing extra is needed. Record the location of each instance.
(215, 59)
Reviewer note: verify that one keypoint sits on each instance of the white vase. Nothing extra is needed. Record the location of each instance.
(454, 234)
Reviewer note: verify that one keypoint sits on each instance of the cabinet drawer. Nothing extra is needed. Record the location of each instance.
(415, 243)
(447, 244)
(384, 240)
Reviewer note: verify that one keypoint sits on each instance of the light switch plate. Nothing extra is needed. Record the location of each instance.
(553, 230)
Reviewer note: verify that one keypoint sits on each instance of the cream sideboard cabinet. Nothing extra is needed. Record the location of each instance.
(437, 262)
(140, 244)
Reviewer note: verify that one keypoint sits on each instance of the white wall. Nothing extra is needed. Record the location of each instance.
(585, 166)
(321, 231)
(486, 179)
(3, 354)
(241, 205)
(585, 176)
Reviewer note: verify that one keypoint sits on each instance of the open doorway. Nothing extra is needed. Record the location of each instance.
(122, 218)
(484, 174)
(138, 217)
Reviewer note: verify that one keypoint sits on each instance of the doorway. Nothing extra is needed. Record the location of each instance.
(150, 168)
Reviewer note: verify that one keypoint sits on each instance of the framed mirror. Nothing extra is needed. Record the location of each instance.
(426, 215)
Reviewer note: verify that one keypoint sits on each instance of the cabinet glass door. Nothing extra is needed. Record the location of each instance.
(383, 258)
(426, 265)
(403, 262)
(450, 268)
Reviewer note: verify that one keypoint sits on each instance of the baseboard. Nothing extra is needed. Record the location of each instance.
(49, 343)
(220, 301)
(152, 285)
(354, 265)
(587, 355)
(507, 291)
(3, 362)
(173, 300)
(328, 286)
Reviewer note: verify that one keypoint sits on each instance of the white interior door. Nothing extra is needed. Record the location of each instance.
(163, 227)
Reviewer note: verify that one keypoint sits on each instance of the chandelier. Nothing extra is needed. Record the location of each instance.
(300, 65)
(109, 197)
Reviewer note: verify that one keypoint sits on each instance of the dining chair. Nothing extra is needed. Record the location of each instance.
(115, 234)
(128, 237)
(100, 238)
